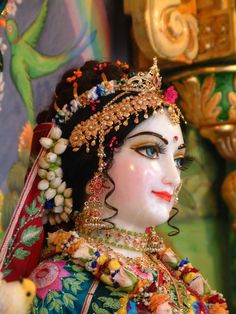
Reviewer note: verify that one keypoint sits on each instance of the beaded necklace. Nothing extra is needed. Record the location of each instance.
(147, 241)
(121, 238)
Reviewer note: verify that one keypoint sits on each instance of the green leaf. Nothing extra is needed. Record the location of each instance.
(41, 198)
(21, 253)
(117, 294)
(58, 308)
(66, 284)
(32, 209)
(55, 305)
(110, 303)
(69, 300)
(43, 310)
(70, 296)
(33, 310)
(22, 222)
(6, 272)
(76, 287)
(49, 297)
(31, 235)
(55, 294)
(35, 301)
(98, 310)
(77, 268)
(81, 277)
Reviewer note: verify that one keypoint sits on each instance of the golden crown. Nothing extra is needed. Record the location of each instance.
(144, 81)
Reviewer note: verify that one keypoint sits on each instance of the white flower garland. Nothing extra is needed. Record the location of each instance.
(58, 205)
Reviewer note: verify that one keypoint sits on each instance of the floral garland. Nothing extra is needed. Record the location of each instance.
(58, 205)
(138, 277)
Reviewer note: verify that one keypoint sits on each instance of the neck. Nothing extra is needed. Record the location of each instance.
(133, 226)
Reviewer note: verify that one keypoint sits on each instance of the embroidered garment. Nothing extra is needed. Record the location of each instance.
(106, 282)
(64, 287)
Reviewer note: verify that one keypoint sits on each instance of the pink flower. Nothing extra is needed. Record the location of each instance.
(170, 95)
(48, 276)
(169, 257)
(125, 278)
(141, 274)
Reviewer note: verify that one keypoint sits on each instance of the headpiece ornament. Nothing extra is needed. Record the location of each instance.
(145, 81)
(114, 113)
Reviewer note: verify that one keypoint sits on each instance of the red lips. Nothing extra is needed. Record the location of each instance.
(163, 195)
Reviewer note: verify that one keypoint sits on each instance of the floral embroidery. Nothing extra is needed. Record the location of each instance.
(48, 276)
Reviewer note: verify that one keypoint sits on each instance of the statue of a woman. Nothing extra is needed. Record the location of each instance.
(107, 176)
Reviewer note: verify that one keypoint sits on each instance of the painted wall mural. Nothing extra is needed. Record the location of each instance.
(39, 40)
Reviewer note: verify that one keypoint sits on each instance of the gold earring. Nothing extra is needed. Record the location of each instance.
(176, 192)
(90, 218)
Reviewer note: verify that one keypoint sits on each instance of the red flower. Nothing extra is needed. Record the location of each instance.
(216, 299)
(170, 95)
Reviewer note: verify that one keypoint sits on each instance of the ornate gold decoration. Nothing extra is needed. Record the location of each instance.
(168, 29)
(206, 109)
(224, 138)
(198, 101)
(228, 192)
(216, 30)
(232, 101)
(113, 115)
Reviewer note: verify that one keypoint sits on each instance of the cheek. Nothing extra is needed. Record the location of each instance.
(133, 174)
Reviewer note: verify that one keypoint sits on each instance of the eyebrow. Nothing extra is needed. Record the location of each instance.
(152, 134)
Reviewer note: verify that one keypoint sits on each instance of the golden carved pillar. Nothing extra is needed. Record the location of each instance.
(195, 43)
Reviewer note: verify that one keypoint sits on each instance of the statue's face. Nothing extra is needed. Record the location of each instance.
(146, 171)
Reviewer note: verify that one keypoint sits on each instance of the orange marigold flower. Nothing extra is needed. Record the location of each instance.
(156, 300)
(141, 284)
(56, 239)
(219, 308)
(75, 246)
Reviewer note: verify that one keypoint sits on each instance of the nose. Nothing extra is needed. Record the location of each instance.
(170, 174)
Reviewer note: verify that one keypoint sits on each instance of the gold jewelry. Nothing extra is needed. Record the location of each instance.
(113, 115)
(176, 192)
(121, 238)
(145, 242)
(90, 218)
(155, 244)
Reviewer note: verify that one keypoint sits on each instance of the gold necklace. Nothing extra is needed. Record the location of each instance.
(145, 242)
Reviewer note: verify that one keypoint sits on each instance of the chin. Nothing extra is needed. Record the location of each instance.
(161, 218)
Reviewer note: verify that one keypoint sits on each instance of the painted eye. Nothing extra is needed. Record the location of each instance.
(151, 151)
(179, 162)
(183, 162)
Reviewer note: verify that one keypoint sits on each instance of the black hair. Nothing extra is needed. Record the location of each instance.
(79, 167)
